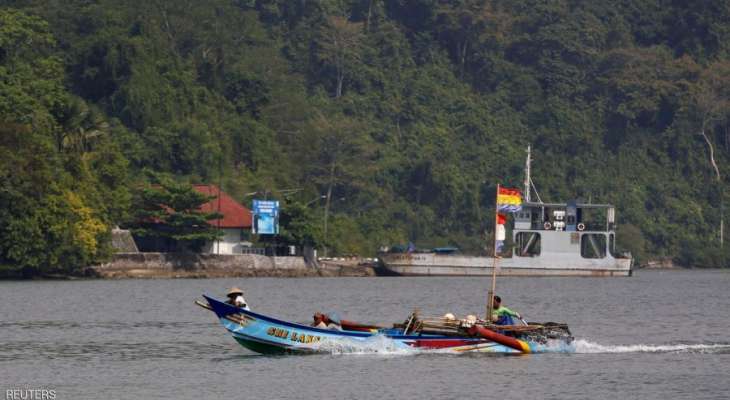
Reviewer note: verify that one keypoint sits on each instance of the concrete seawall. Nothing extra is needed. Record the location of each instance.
(185, 265)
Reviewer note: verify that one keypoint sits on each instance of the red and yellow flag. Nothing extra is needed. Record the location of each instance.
(509, 200)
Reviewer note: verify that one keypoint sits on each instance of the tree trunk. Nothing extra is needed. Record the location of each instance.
(719, 182)
(712, 154)
(461, 49)
(476, 202)
(327, 204)
(340, 78)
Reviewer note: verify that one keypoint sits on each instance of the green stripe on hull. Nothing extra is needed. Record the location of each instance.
(264, 348)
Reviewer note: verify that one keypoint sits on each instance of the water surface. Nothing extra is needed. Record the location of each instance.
(657, 335)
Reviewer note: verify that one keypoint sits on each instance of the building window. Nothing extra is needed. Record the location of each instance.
(593, 245)
(527, 244)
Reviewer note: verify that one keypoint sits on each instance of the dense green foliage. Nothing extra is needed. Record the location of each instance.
(403, 115)
(169, 214)
(62, 177)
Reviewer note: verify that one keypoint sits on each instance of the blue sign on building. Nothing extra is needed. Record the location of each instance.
(265, 217)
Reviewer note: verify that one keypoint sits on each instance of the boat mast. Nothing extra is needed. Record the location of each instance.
(527, 175)
(490, 294)
(527, 183)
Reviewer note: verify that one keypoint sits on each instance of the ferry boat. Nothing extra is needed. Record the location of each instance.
(548, 239)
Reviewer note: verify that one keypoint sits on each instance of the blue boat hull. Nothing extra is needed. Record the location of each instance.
(267, 335)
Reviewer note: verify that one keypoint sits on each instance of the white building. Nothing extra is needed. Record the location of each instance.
(235, 222)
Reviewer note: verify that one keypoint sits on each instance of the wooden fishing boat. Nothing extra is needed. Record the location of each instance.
(267, 335)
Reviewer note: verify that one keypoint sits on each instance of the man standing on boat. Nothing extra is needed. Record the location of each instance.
(502, 315)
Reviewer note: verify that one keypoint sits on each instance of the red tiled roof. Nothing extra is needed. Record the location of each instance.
(234, 214)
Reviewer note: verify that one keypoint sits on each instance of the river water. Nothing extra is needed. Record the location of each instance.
(657, 335)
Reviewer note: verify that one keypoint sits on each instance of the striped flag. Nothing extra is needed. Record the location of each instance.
(500, 234)
(509, 200)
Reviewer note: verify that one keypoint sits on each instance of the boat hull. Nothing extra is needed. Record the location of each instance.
(433, 264)
(266, 335)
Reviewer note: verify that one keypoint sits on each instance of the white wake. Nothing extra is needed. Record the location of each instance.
(377, 344)
(382, 345)
(587, 347)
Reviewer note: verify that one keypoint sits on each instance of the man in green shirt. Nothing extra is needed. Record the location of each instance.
(502, 315)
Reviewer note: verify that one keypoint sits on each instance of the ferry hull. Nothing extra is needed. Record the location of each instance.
(431, 264)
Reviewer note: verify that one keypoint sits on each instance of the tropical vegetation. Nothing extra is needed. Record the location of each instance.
(375, 122)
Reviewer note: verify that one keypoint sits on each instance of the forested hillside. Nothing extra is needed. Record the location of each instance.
(403, 114)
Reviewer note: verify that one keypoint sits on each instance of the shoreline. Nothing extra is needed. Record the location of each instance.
(187, 265)
(204, 266)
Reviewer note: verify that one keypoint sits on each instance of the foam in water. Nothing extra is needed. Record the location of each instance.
(554, 346)
(377, 344)
(587, 347)
(382, 345)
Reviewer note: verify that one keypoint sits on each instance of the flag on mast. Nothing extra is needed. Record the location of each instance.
(509, 200)
(500, 236)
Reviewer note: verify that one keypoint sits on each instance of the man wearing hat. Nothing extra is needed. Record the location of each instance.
(235, 297)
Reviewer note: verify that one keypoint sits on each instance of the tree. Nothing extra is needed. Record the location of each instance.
(340, 43)
(50, 218)
(340, 151)
(170, 212)
(407, 109)
(80, 126)
(299, 226)
(460, 23)
(31, 80)
(710, 101)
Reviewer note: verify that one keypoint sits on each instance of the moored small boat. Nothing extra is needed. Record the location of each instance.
(267, 335)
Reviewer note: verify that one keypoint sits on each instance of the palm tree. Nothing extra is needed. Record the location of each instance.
(81, 125)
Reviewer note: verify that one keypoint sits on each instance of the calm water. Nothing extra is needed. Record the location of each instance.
(657, 335)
